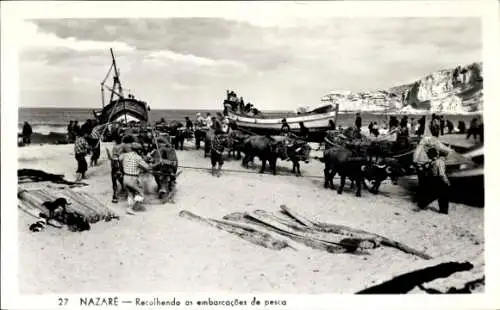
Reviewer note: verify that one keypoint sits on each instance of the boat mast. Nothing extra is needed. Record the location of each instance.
(117, 83)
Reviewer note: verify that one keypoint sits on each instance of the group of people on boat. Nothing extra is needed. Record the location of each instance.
(238, 105)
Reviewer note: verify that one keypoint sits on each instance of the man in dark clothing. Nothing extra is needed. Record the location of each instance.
(76, 127)
(461, 127)
(81, 149)
(441, 124)
(217, 149)
(331, 125)
(304, 131)
(71, 133)
(473, 129)
(421, 126)
(450, 126)
(189, 123)
(358, 122)
(434, 126)
(285, 128)
(435, 185)
(27, 132)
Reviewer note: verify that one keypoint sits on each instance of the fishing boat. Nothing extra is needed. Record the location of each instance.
(120, 107)
(317, 119)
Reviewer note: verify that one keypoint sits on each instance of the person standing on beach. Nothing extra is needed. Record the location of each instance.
(217, 150)
(437, 186)
(81, 148)
(95, 143)
(441, 124)
(421, 126)
(27, 132)
(304, 131)
(71, 133)
(285, 128)
(132, 164)
(208, 120)
(116, 167)
(434, 126)
(358, 122)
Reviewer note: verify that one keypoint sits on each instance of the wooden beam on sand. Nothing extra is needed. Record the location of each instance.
(406, 282)
(298, 237)
(247, 233)
(356, 233)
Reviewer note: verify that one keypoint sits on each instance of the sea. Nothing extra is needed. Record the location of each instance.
(55, 120)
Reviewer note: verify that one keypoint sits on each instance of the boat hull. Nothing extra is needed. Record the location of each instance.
(467, 186)
(128, 110)
(317, 124)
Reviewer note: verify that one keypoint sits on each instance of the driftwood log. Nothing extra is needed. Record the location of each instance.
(281, 229)
(245, 232)
(406, 282)
(348, 231)
(34, 175)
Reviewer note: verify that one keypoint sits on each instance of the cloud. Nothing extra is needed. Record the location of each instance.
(190, 62)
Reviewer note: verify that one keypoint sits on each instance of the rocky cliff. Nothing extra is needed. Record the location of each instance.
(450, 91)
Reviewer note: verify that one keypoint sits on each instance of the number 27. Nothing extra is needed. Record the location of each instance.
(62, 301)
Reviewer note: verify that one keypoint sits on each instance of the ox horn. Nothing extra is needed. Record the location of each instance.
(363, 168)
(380, 166)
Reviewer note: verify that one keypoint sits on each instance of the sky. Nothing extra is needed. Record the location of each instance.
(279, 64)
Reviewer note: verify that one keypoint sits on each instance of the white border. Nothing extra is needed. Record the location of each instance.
(13, 12)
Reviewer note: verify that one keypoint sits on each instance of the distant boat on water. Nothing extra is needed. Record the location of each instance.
(317, 119)
(120, 108)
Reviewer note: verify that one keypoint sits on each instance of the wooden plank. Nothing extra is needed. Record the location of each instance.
(357, 233)
(253, 236)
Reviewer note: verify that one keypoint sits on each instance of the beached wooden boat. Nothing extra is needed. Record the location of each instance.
(317, 120)
(120, 108)
(467, 182)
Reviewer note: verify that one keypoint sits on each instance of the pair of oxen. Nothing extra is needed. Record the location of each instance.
(267, 148)
(359, 160)
(163, 159)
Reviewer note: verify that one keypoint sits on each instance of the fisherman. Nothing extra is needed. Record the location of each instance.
(189, 123)
(285, 128)
(225, 124)
(434, 125)
(87, 127)
(421, 126)
(132, 164)
(461, 127)
(413, 126)
(95, 143)
(473, 129)
(375, 129)
(304, 131)
(358, 122)
(116, 167)
(331, 125)
(217, 150)
(370, 128)
(402, 138)
(27, 132)
(442, 124)
(76, 127)
(71, 133)
(81, 149)
(450, 126)
(209, 120)
(437, 186)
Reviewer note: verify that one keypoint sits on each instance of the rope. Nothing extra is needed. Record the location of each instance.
(254, 172)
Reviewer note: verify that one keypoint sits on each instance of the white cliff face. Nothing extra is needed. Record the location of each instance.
(458, 90)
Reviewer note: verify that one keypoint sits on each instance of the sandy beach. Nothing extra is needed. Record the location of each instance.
(156, 250)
